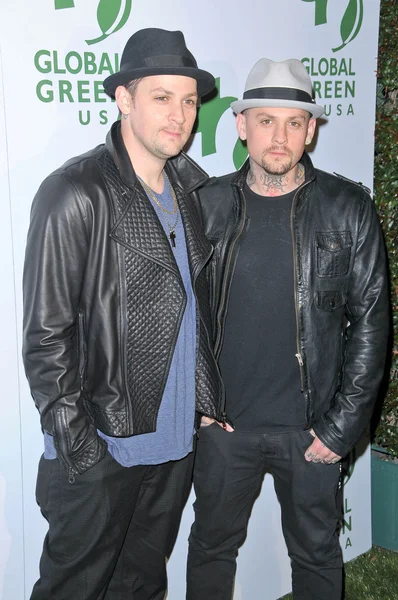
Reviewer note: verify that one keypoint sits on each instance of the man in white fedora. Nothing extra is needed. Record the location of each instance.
(300, 315)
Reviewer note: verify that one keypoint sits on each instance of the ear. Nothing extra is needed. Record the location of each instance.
(123, 99)
(241, 125)
(310, 131)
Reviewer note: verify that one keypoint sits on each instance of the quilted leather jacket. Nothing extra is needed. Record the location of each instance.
(340, 278)
(104, 299)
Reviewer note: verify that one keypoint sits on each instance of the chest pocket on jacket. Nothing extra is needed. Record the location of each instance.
(333, 252)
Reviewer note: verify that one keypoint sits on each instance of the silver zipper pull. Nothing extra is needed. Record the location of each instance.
(300, 360)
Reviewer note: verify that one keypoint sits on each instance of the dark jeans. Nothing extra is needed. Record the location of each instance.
(228, 474)
(111, 530)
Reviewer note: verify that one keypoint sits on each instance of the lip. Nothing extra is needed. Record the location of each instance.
(278, 154)
(173, 134)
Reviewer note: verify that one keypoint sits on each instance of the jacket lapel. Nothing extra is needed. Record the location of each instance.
(139, 229)
(198, 247)
(186, 176)
(137, 226)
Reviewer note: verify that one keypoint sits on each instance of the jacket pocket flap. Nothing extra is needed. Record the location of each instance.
(333, 241)
(331, 299)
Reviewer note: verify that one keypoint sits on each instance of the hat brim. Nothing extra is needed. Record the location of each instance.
(205, 80)
(240, 105)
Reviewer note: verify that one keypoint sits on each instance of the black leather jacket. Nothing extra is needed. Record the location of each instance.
(104, 299)
(340, 275)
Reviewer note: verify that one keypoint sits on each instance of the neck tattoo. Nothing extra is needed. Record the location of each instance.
(269, 184)
(300, 175)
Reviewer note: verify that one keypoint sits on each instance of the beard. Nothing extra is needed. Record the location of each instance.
(277, 166)
(163, 149)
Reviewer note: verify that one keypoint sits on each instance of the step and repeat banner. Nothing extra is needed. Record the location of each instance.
(54, 55)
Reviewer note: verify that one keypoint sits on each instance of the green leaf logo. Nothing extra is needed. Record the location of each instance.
(351, 23)
(320, 11)
(111, 16)
(349, 466)
(60, 4)
(209, 116)
(240, 154)
(107, 13)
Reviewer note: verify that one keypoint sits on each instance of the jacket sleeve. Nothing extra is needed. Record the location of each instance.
(366, 344)
(54, 270)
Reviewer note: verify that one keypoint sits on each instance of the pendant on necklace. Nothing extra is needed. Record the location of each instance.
(173, 237)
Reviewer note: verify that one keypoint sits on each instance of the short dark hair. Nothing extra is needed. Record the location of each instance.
(131, 87)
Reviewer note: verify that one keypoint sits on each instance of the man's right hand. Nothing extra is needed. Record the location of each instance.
(206, 421)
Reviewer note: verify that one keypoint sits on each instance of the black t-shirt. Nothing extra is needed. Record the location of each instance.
(258, 358)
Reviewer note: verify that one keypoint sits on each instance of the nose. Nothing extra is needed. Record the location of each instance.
(279, 134)
(177, 113)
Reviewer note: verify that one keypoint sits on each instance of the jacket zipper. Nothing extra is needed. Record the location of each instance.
(60, 416)
(82, 349)
(298, 354)
(223, 293)
(224, 419)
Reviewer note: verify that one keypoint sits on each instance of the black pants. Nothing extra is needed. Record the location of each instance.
(111, 530)
(228, 474)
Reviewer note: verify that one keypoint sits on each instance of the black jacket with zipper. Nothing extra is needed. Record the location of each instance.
(340, 277)
(104, 300)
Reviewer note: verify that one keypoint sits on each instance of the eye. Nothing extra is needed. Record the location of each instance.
(266, 121)
(295, 124)
(161, 98)
(190, 102)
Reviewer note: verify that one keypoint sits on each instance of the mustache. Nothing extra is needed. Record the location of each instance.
(278, 149)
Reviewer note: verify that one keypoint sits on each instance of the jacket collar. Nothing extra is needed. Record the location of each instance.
(184, 171)
(240, 176)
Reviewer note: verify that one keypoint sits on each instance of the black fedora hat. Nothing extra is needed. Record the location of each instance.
(157, 52)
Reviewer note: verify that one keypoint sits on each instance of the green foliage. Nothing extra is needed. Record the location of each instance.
(386, 197)
(372, 576)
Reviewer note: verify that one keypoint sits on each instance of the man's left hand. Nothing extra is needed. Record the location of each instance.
(318, 453)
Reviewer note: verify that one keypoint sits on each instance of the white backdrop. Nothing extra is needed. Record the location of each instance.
(54, 55)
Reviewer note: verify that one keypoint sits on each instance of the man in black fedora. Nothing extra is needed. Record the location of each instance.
(117, 334)
(301, 324)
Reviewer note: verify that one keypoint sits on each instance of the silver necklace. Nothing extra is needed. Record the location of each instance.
(171, 226)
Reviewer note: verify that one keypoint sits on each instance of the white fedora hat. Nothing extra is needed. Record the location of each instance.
(278, 84)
